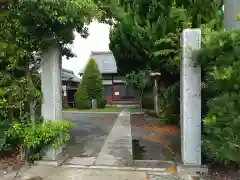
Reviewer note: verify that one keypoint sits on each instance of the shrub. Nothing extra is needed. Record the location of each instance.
(138, 80)
(101, 103)
(82, 100)
(37, 138)
(220, 60)
(169, 104)
(147, 100)
(4, 140)
(92, 84)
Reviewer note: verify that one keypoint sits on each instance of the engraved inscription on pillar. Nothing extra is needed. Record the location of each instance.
(190, 98)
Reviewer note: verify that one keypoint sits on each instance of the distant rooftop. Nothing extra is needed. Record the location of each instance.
(105, 61)
(68, 75)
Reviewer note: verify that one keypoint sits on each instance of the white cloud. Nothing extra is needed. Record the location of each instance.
(98, 40)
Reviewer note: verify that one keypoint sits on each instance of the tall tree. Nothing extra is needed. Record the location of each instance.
(91, 87)
(26, 27)
(146, 33)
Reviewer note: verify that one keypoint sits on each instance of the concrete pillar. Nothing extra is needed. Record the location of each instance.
(52, 90)
(65, 97)
(231, 10)
(156, 95)
(190, 99)
(155, 76)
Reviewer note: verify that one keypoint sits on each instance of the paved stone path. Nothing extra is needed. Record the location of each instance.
(44, 172)
(90, 133)
(109, 144)
(117, 149)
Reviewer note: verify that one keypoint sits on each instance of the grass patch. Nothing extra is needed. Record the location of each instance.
(134, 109)
(109, 109)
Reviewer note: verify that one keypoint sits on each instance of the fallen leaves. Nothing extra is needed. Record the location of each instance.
(11, 160)
(158, 133)
(166, 130)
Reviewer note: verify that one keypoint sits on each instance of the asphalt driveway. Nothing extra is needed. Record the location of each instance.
(90, 133)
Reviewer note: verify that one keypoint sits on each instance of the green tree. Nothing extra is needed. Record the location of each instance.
(91, 87)
(147, 34)
(82, 100)
(138, 80)
(26, 28)
(220, 62)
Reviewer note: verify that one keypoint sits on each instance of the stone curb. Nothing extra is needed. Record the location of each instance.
(117, 168)
(192, 169)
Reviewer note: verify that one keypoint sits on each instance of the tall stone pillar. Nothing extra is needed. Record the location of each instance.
(52, 90)
(231, 10)
(190, 99)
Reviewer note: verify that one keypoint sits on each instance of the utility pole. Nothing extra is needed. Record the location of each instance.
(231, 11)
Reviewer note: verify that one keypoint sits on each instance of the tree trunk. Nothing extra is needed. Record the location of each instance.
(140, 97)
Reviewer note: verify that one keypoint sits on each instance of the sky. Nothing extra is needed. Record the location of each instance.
(98, 40)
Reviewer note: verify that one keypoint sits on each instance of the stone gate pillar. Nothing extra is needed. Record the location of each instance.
(190, 98)
(51, 85)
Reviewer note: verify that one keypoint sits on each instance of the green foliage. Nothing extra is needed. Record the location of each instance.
(4, 126)
(101, 103)
(82, 101)
(137, 80)
(202, 11)
(147, 36)
(220, 60)
(169, 106)
(147, 33)
(52, 19)
(92, 80)
(26, 29)
(53, 133)
(147, 100)
(91, 87)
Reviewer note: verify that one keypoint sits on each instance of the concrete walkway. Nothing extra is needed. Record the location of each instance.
(117, 149)
(116, 152)
(45, 172)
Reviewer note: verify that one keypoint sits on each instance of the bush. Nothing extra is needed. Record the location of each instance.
(147, 100)
(43, 135)
(220, 60)
(4, 140)
(169, 105)
(91, 86)
(82, 100)
(101, 103)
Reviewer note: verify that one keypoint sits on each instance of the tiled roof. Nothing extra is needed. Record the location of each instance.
(105, 61)
(68, 75)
